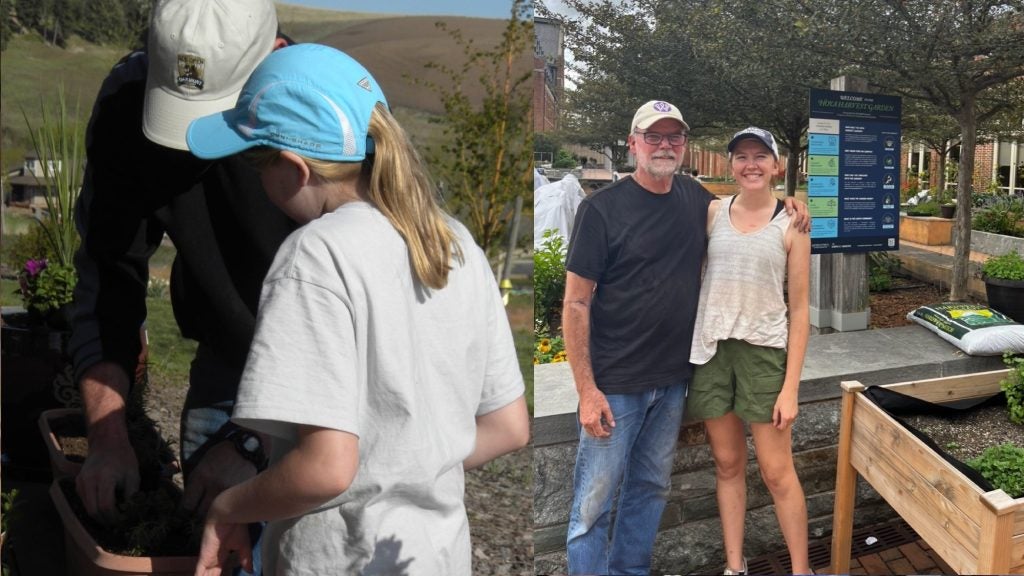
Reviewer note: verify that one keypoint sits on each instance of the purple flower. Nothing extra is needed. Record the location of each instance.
(34, 267)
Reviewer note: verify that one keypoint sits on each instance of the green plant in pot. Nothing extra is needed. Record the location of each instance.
(35, 370)
(47, 276)
(1004, 284)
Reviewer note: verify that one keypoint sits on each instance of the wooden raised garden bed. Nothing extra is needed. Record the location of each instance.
(975, 532)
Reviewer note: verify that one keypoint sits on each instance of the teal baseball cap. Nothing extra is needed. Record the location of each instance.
(310, 99)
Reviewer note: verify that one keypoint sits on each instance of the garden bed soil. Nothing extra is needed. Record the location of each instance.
(965, 436)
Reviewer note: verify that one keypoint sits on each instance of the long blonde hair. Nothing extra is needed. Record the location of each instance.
(401, 189)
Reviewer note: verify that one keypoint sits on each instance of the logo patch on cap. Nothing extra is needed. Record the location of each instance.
(662, 106)
(365, 84)
(191, 71)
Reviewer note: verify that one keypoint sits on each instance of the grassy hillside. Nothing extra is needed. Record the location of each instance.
(397, 49)
(31, 70)
(392, 48)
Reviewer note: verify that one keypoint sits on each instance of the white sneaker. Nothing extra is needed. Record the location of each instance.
(740, 572)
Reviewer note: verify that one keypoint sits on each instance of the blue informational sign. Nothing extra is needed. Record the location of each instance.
(853, 168)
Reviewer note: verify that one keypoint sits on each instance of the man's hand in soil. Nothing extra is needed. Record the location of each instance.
(220, 468)
(110, 471)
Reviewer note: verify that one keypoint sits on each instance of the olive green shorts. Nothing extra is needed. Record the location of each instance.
(741, 378)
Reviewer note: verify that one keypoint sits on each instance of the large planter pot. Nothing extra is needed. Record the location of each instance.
(37, 376)
(975, 532)
(85, 557)
(57, 426)
(1007, 296)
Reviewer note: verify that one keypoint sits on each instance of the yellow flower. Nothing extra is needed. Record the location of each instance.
(544, 346)
(559, 357)
(535, 361)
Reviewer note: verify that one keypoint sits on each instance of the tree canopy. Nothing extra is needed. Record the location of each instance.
(958, 64)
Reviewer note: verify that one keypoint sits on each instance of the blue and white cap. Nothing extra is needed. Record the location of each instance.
(310, 99)
(754, 133)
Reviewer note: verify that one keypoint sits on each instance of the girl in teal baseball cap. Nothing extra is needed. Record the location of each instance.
(383, 365)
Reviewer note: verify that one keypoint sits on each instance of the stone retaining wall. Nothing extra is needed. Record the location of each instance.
(994, 244)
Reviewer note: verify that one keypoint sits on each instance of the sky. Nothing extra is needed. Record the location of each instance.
(476, 8)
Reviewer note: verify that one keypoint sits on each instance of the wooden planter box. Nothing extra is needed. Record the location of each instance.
(927, 230)
(975, 532)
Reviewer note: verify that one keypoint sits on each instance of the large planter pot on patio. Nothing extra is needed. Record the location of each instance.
(974, 531)
(1007, 296)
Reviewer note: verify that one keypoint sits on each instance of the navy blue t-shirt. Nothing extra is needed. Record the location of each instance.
(644, 251)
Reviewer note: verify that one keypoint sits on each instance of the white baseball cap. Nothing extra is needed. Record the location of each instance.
(653, 111)
(200, 54)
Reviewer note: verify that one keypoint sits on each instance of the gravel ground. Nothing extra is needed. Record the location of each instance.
(499, 496)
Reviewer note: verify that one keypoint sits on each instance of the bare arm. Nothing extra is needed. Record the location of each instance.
(320, 467)
(111, 462)
(595, 413)
(500, 432)
(798, 272)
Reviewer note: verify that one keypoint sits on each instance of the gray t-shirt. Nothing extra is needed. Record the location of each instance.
(347, 339)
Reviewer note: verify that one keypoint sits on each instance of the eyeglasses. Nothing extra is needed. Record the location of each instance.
(655, 138)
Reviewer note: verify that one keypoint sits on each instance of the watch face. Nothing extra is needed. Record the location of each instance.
(251, 444)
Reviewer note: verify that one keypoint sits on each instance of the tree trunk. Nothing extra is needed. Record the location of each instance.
(940, 184)
(792, 175)
(962, 227)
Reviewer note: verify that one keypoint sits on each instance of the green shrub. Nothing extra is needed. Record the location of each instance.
(1013, 387)
(564, 159)
(1003, 466)
(548, 283)
(929, 208)
(1000, 215)
(1008, 266)
(881, 267)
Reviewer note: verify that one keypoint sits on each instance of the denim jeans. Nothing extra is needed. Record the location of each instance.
(197, 425)
(636, 461)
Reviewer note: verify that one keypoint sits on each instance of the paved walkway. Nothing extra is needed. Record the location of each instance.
(894, 549)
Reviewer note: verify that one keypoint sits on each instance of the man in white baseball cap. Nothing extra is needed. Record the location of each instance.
(200, 55)
(142, 184)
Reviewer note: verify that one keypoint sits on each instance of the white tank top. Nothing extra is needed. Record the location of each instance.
(741, 294)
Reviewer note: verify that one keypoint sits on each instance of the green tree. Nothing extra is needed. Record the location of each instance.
(485, 161)
(563, 159)
(6, 22)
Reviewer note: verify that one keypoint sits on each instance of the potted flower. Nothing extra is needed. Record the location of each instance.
(948, 208)
(1004, 284)
(35, 370)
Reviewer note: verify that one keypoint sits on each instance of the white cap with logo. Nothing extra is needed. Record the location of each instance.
(653, 111)
(200, 54)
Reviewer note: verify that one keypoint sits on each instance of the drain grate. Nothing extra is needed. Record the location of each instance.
(889, 535)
